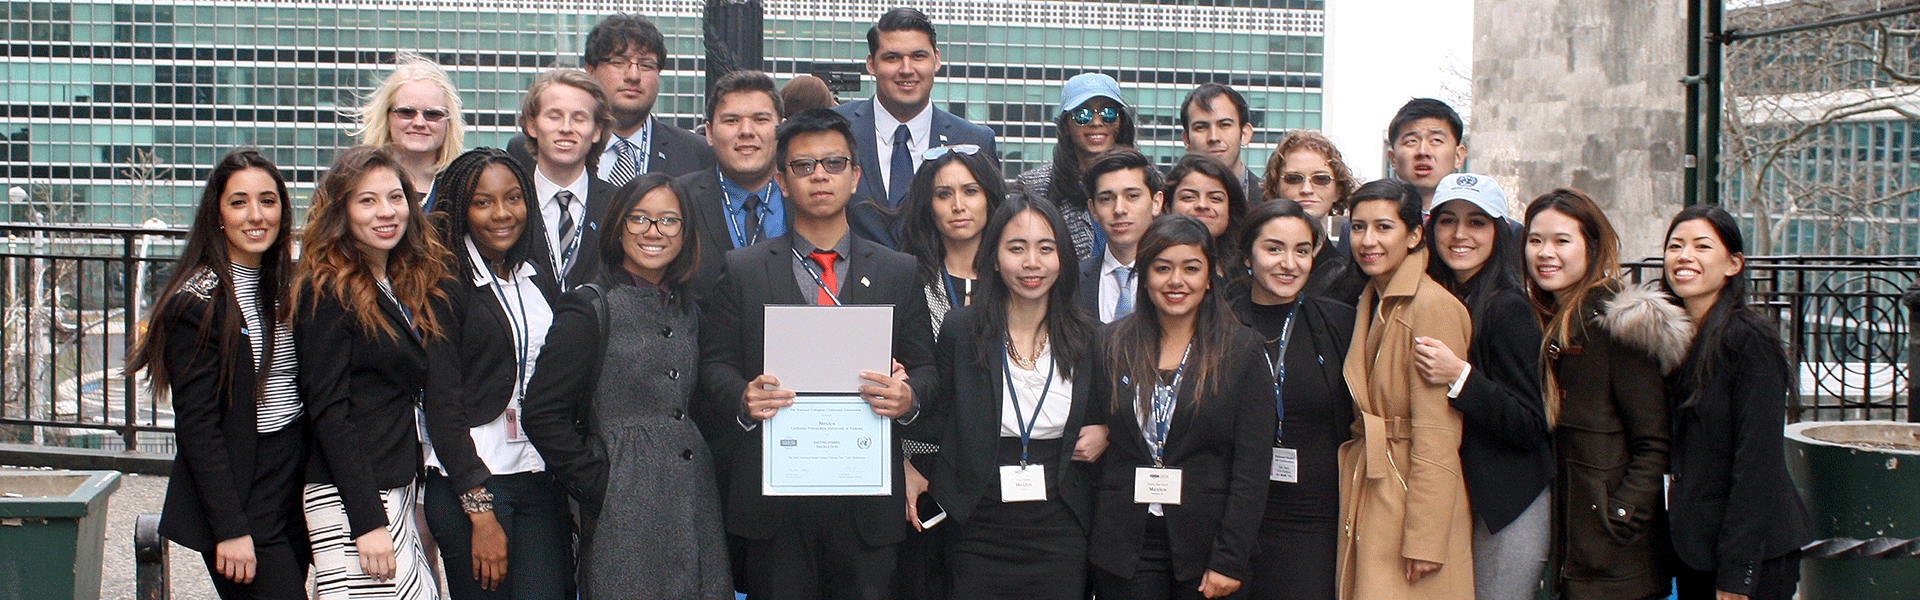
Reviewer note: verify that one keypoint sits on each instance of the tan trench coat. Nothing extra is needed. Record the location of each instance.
(1401, 492)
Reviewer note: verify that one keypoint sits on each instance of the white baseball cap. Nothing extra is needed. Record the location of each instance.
(1481, 190)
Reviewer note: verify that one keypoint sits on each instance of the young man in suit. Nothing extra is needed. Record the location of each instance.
(894, 129)
(626, 53)
(1213, 122)
(738, 200)
(816, 547)
(564, 121)
(1126, 198)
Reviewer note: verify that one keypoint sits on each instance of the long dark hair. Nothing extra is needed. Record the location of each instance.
(1227, 244)
(207, 250)
(1407, 207)
(1068, 328)
(333, 266)
(455, 187)
(613, 232)
(1730, 312)
(1561, 312)
(1500, 273)
(1066, 187)
(919, 234)
(1133, 351)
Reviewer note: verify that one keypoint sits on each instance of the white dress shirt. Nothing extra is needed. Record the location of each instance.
(1110, 289)
(550, 212)
(642, 141)
(921, 126)
(1027, 384)
(502, 445)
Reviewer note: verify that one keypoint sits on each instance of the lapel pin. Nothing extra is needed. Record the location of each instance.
(661, 154)
(865, 283)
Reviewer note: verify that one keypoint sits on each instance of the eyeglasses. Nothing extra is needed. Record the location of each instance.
(960, 149)
(622, 64)
(433, 115)
(1322, 180)
(1084, 115)
(668, 226)
(833, 164)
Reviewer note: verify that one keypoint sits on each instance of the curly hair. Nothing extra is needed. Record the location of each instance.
(332, 265)
(1344, 182)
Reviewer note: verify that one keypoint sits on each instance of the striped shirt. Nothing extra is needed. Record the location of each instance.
(279, 405)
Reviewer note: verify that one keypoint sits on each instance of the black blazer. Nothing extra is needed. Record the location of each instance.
(473, 367)
(213, 469)
(360, 389)
(864, 211)
(1334, 276)
(1506, 449)
(1327, 326)
(675, 151)
(715, 241)
(1731, 504)
(1223, 449)
(586, 264)
(966, 413)
(1088, 298)
(732, 338)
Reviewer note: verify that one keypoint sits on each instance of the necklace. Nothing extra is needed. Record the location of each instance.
(1023, 362)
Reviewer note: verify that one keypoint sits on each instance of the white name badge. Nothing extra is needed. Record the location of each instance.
(1156, 486)
(1285, 467)
(514, 434)
(1023, 484)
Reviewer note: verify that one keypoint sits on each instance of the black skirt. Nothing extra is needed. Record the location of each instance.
(1020, 550)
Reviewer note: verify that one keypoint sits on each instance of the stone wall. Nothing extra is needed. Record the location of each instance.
(1587, 94)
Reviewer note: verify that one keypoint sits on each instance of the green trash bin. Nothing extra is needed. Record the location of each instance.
(1860, 480)
(53, 527)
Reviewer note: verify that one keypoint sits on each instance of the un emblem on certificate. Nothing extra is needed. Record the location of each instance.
(865, 443)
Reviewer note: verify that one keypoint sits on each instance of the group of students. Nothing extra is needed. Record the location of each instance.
(1112, 381)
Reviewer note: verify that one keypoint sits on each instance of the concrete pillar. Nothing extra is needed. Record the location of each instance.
(1586, 94)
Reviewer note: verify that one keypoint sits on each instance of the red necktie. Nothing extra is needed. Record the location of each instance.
(824, 258)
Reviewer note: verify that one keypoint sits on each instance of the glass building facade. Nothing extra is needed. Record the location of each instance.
(115, 111)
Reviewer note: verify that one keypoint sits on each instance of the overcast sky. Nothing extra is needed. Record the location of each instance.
(1379, 54)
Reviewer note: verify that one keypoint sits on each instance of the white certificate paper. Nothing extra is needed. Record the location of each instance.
(823, 349)
(827, 446)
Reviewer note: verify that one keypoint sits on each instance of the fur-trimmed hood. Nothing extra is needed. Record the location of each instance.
(1645, 318)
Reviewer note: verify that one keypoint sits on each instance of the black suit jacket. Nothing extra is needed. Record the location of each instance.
(1326, 327)
(864, 212)
(675, 151)
(966, 414)
(1088, 298)
(1506, 448)
(1223, 448)
(472, 368)
(715, 241)
(213, 469)
(732, 339)
(1732, 504)
(359, 389)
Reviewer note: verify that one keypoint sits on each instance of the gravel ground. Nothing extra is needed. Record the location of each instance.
(143, 494)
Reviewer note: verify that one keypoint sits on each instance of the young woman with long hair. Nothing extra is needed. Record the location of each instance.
(1737, 522)
(1409, 533)
(1308, 169)
(946, 208)
(500, 519)
(1202, 188)
(1506, 452)
(1093, 119)
(1187, 397)
(414, 115)
(1305, 342)
(1606, 346)
(1012, 415)
(363, 315)
(613, 411)
(220, 344)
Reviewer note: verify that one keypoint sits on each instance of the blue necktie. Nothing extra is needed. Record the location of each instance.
(901, 173)
(1124, 307)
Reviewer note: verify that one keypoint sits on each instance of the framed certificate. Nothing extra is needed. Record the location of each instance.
(827, 445)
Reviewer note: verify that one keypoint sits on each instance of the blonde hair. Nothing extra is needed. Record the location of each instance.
(409, 67)
(602, 111)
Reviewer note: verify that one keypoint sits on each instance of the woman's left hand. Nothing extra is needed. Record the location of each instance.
(1215, 585)
(1092, 443)
(1435, 362)
(489, 550)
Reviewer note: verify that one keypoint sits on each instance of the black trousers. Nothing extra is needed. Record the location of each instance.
(1153, 577)
(818, 555)
(273, 504)
(1774, 579)
(532, 510)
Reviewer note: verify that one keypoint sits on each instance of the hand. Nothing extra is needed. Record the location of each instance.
(899, 371)
(234, 559)
(1215, 585)
(489, 550)
(1435, 362)
(1092, 443)
(1719, 595)
(760, 402)
(376, 554)
(1417, 569)
(891, 398)
(916, 485)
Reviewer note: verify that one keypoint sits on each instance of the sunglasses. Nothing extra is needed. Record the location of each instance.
(960, 149)
(833, 164)
(1322, 180)
(1084, 115)
(433, 115)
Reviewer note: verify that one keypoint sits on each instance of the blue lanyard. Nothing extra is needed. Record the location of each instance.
(573, 246)
(1026, 426)
(1163, 403)
(808, 265)
(521, 329)
(1277, 361)
(741, 237)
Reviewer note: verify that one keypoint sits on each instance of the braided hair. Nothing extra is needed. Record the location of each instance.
(454, 188)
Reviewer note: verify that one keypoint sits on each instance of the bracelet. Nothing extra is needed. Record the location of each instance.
(477, 501)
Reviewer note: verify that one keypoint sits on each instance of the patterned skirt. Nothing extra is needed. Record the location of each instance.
(336, 561)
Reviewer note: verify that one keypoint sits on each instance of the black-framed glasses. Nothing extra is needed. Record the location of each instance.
(833, 164)
(668, 226)
(960, 149)
(1084, 115)
(1321, 179)
(645, 65)
(433, 115)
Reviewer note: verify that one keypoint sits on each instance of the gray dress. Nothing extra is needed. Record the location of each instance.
(659, 532)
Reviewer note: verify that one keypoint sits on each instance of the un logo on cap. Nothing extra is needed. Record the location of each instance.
(1466, 181)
